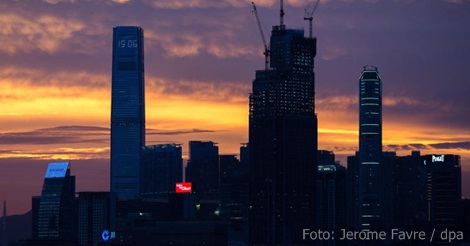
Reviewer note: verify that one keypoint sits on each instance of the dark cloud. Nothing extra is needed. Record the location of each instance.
(77, 134)
(176, 132)
(57, 135)
(419, 146)
(457, 145)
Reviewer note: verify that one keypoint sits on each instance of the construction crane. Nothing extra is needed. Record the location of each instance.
(266, 48)
(309, 16)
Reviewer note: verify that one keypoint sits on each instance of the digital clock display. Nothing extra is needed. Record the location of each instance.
(129, 43)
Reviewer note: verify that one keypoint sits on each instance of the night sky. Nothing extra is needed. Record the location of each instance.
(200, 58)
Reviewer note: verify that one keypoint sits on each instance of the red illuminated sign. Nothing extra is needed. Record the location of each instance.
(183, 187)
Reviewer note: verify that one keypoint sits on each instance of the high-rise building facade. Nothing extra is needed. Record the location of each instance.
(441, 177)
(203, 169)
(127, 111)
(283, 141)
(162, 167)
(331, 196)
(370, 150)
(57, 208)
(96, 214)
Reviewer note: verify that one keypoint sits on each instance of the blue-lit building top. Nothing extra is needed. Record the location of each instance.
(127, 111)
(370, 149)
(56, 215)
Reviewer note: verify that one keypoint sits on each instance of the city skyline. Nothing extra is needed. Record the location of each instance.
(208, 100)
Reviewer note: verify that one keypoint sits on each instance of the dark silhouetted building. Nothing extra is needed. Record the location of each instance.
(127, 111)
(407, 193)
(441, 176)
(331, 196)
(96, 214)
(464, 219)
(352, 175)
(182, 233)
(35, 200)
(234, 198)
(162, 168)
(283, 141)
(245, 154)
(370, 150)
(56, 218)
(203, 169)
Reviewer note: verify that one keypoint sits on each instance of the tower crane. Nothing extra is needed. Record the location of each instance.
(266, 48)
(309, 16)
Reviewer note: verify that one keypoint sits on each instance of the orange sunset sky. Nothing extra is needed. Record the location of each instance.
(200, 58)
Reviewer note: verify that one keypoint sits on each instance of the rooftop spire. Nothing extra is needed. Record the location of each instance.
(282, 15)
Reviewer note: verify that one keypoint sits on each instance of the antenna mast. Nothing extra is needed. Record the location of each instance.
(282, 15)
(309, 16)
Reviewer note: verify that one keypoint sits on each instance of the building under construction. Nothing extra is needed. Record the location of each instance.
(283, 140)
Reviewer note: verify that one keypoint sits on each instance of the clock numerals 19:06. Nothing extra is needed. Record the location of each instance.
(127, 43)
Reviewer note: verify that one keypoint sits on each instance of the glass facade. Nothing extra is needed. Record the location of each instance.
(56, 206)
(127, 111)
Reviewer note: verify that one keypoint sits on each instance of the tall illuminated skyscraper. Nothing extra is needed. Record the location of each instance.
(371, 209)
(127, 111)
(283, 142)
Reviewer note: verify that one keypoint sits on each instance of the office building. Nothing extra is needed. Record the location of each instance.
(283, 141)
(464, 219)
(331, 196)
(352, 197)
(127, 111)
(57, 207)
(407, 195)
(331, 200)
(162, 168)
(370, 150)
(202, 169)
(96, 214)
(441, 176)
(245, 154)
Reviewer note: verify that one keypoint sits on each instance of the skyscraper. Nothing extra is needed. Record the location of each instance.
(203, 169)
(96, 213)
(283, 141)
(441, 176)
(57, 210)
(127, 111)
(162, 167)
(370, 150)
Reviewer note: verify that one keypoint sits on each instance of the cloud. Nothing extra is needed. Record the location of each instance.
(56, 135)
(338, 102)
(77, 134)
(45, 33)
(57, 154)
(455, 145)
(457, 1)
(176, 132)
(202, 90)
(216, 4)
(432, 146)
(58, 1)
